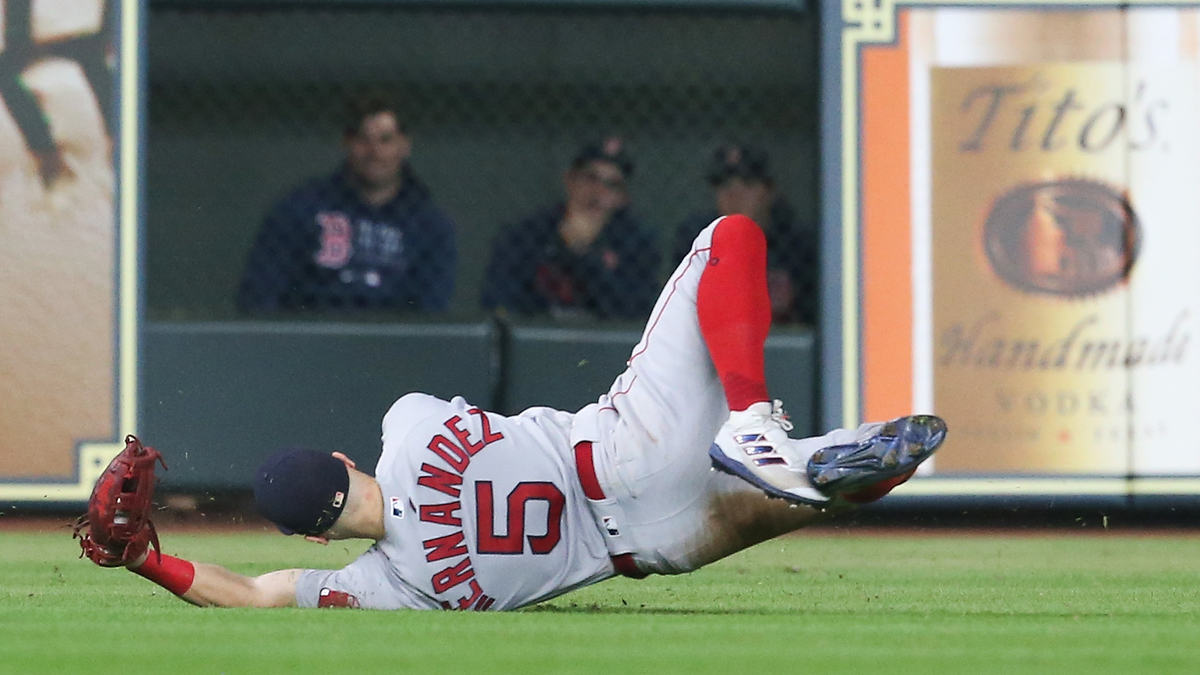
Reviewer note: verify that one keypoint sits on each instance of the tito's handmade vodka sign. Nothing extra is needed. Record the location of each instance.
(1065, 233)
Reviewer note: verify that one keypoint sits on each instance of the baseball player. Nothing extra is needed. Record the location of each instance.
(468, 509)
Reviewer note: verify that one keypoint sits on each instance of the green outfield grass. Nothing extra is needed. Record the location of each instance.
(816, 603)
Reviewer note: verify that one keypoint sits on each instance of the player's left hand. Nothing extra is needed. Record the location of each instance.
(117, 530)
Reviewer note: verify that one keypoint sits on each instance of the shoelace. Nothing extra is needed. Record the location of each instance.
(779, 416)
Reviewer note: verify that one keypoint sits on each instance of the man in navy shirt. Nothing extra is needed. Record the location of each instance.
(369, 236)
(587, 256)
(741, 182)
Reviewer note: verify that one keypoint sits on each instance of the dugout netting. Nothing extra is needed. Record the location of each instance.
(245, 102)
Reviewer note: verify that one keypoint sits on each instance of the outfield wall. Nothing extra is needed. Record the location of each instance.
(217, 398)
(141, 142)
(1006, 234)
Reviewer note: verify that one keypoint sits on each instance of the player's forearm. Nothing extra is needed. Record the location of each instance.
(209, 585)
(215, 586)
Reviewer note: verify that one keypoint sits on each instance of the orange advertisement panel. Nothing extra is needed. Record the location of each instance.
(1028, 188)
(887, 231)
(66, 148)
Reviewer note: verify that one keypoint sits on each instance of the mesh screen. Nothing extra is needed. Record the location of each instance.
(249, 209)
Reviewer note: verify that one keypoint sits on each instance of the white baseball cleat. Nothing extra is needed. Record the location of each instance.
(754, 445)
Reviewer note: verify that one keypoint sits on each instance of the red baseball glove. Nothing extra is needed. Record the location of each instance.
(117, 524)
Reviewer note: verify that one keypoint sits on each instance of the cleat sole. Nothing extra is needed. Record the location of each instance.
(896, 449)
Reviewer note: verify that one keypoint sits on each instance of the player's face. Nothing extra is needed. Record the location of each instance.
(377, 151)
(749, 197)
(597, 188)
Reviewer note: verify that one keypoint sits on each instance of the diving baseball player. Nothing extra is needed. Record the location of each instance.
(468, 509)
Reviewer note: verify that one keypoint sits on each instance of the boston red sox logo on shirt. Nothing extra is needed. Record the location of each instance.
(378, 243)
(337, 238)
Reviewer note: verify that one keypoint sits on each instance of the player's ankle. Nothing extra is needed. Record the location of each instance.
(756, 407)
(743, 390)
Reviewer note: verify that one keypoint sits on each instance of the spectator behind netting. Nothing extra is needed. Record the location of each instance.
(369, 236)
(742, 183)
(588, 256)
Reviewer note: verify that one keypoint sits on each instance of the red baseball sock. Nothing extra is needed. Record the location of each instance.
(735, 310)
(174, 574)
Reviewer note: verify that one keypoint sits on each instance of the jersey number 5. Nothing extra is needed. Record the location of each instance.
(513, 542)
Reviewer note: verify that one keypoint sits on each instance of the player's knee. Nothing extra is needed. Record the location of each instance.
(740, 233)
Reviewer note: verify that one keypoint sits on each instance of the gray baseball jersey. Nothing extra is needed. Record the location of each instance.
(486, 512)
(482, 512)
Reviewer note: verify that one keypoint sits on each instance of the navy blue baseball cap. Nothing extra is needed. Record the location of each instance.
(611, 149)
(738, 161)
(301, 491)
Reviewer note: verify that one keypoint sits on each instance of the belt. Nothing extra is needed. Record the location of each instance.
(586, 467)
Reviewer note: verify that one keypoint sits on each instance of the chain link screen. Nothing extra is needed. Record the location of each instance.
(249, 209)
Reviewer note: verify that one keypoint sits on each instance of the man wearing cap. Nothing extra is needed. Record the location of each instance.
(468, 509)
(369, 236)
(588, 256)
(741, 180)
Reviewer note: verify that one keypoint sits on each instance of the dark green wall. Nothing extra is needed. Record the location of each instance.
(569, 368)
(217, 398)
(220, 397)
